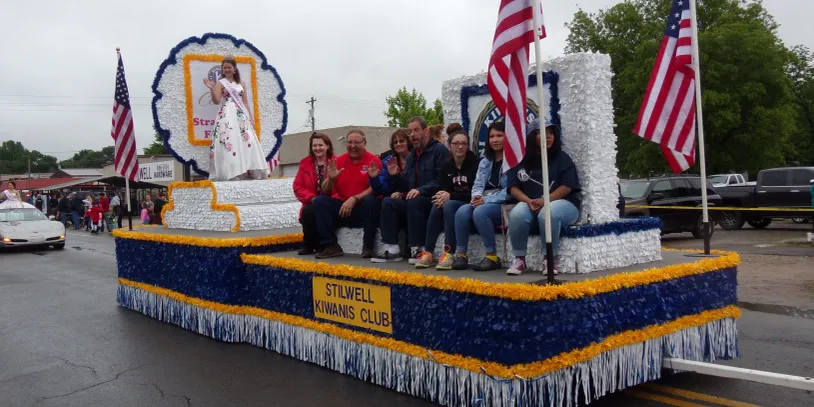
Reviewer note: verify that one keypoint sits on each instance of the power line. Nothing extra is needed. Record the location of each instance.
(312, 101)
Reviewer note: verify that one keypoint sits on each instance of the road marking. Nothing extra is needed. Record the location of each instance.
(662, 399)
(697, 396)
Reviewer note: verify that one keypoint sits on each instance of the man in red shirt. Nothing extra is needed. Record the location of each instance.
(348, 199)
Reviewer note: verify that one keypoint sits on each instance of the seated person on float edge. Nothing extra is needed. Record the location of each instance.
(525, 185)
(410, 203)
(484, 210)
(348, 199)
(456, 180)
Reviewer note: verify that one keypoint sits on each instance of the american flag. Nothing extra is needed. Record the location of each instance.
(508, 70)
(274, 162)
(667, 115)
(122, 131)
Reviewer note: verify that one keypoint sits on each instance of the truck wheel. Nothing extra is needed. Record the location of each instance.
(759, 223)
(731, 220)
(698, 231)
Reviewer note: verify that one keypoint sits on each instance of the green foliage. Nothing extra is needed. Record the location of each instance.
(90, 158)
(14, 159)
(157, 146)
(750, 115)
(801, 73)
(405, 105)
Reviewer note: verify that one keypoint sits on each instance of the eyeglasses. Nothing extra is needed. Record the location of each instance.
(354, 143)
(400, 141)
(459, 143)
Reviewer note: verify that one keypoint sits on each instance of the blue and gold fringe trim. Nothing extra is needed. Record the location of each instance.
(623, 361)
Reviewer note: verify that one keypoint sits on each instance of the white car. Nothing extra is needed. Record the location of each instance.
(27, 226)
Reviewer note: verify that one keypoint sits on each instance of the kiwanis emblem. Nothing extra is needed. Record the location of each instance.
(489, 115)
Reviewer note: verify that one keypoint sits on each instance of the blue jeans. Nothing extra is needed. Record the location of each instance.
(75, 218)
(521, 224)
(328, 219)
(446, 217)
(63, 217)
(413, 213)
(485, 218)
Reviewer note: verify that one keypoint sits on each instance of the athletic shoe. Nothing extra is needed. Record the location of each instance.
(460, 263)
(367, 253)
(488, 264)
(387, 258)
(446, 262)
(517, 268)
(545, 267)
(424, 261)
(416, 256)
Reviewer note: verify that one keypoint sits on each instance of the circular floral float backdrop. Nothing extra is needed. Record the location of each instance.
(177, 105)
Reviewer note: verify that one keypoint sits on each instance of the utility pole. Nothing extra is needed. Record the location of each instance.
(311, 113)
(29, 173)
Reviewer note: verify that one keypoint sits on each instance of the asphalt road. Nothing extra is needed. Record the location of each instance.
(65, 342)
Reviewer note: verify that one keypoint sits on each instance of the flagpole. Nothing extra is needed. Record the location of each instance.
(543, 103)
(696, 66)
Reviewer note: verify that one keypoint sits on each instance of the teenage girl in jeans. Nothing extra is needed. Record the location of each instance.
(526, 186)
(488, 195)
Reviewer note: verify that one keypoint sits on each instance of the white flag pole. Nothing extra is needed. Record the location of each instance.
(699, 119)
(543, 103)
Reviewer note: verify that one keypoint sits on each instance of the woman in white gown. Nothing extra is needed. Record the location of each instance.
(12, 197)
(235, 152)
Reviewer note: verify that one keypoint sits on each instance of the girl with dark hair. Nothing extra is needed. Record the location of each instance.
(456, 179)
(526, 186)
(488, 195)
(235, 152)
(308, 185)
(11, 197)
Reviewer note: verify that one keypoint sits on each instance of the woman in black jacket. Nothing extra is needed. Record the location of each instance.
(456, 179)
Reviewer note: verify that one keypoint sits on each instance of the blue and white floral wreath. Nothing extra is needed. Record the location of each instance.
(173, 100)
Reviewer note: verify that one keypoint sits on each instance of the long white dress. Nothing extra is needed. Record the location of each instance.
(12, 200)
(235, 152)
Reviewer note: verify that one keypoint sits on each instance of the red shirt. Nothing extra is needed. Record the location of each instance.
(355, 179)
(104, 203)
(95, 214)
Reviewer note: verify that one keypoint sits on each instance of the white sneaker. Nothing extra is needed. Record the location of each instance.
(810, 237)
(387, 258)
(545, 267)
(517, 268)
(416, 256)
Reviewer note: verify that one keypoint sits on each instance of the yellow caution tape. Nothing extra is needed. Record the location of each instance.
(722, 208)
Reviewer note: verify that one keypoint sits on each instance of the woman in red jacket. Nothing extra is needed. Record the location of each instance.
(308, 184)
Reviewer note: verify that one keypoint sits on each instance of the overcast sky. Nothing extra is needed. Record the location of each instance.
(59, 57)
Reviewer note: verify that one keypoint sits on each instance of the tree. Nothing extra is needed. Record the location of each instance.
(90, 158)
(14, 159)
(405, 105)
(748, 114)
(157, 147)
(801, 73)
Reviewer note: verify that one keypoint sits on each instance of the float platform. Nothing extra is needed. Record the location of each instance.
(455, 338)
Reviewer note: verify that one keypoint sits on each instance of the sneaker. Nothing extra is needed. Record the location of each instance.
(367, 253)
(415, 256)
(810, 237)
(446, 262)
(460, 263)
(545, 267)
(488, 264)
(424, 261)
(387, 258)
(517, 268)
(333, 250)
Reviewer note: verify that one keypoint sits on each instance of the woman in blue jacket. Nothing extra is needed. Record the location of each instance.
(488, 194)
(399, 151)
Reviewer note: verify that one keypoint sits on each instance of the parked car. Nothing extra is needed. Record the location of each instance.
(775, 188)
(27, 226)
(666, 192)
(725, 180)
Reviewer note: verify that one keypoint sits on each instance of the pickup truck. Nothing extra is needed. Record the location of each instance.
(784, 188)
(725, 180)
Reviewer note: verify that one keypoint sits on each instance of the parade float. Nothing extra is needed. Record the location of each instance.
(223, 266)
